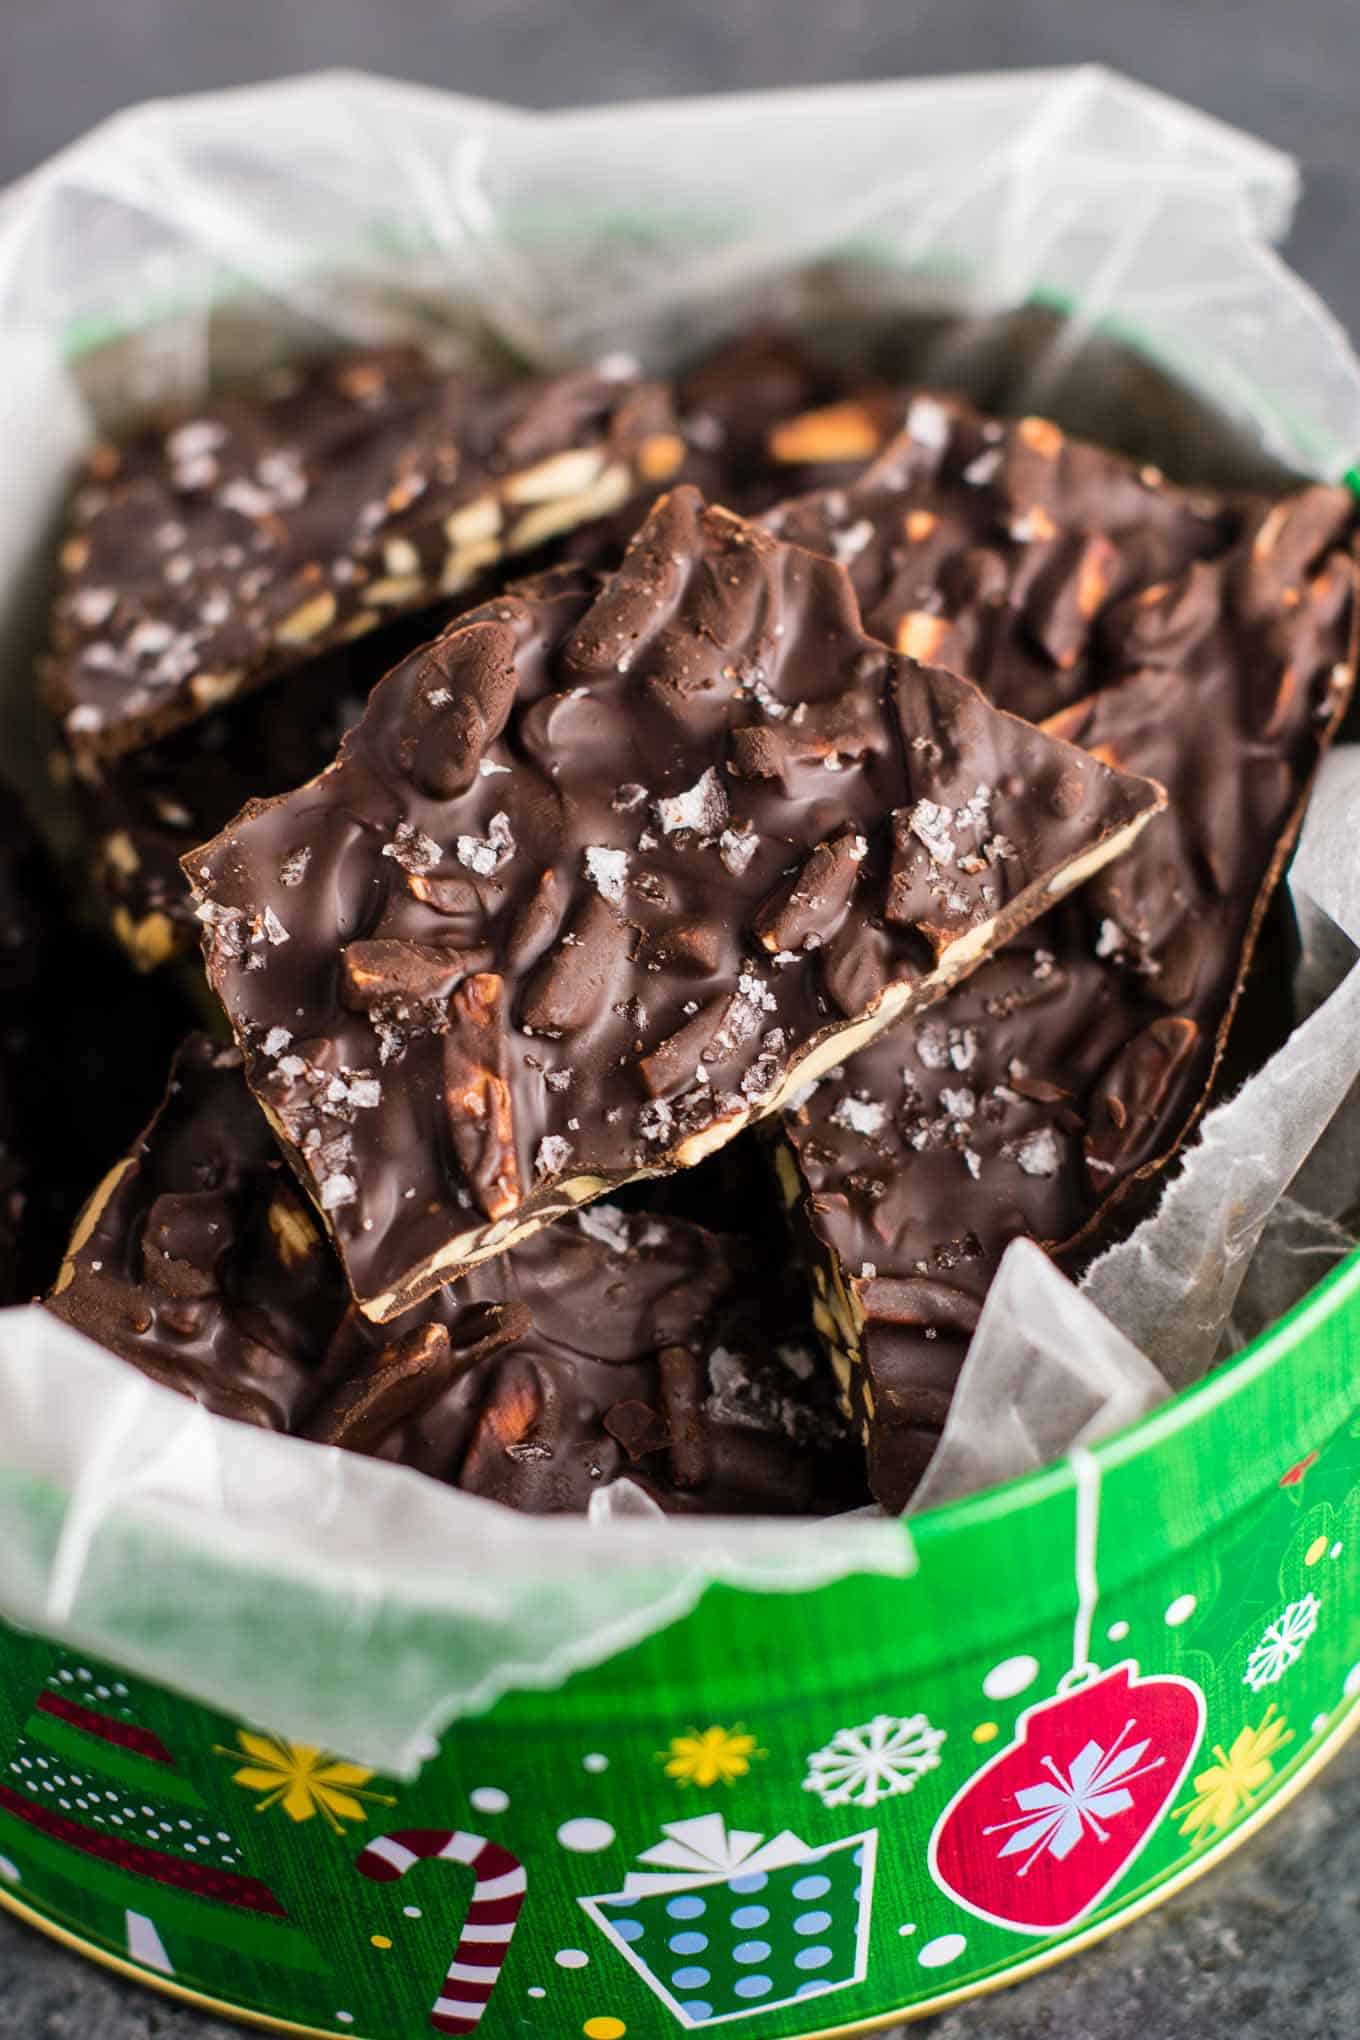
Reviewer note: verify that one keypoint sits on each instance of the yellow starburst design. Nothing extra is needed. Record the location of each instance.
(302, 1780)
(710, 1756)
(1228, 1786)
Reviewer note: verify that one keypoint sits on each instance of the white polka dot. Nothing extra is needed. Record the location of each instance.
(944, 1948)
(9, 1871)
(595, 1763)
(1181, 1609)
(489, 1799)
(1117, 1631)
(585, 1836)
(1352, 1685)
(1335, 1551)
(344, 2018)
(536, 1990)
(571, 1958)
(1010, 1677)
(413, 1912)
(909, 1928)
(1319, 1723)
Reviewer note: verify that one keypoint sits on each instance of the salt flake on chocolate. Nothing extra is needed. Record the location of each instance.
(701, 807)
(860, 1115)
(411, 848)
(1037, 1154)
(607, 871)
(552, 1155)
(486, 854)
(929, 823)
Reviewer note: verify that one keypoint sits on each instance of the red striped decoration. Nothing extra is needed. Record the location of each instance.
(497, 1896)
(223, 1887)
(124, 1735)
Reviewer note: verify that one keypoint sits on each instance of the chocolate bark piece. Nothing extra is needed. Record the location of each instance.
(143, 812)
(600, 877)
(198, 1259)
(221, 547)
(616, 1344)
(625, 1345)
(728, 404)
(999, 548)
(1043, 1097)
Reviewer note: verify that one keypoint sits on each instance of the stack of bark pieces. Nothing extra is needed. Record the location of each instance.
(608, 805)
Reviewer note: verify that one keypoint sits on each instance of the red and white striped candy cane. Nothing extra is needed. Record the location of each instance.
(490, 1922)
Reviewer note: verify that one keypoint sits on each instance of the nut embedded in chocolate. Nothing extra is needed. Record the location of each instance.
(1038, 1098)
(997, 547)
(688, 748)
(198, 1260)
(615, 1344)
(218, 549)
(141, 812)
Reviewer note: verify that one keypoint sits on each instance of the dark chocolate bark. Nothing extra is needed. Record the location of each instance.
(198, 1259)
(999, 548)
(600, 877)
(616, 1344)
(627, 1345)
(142, 812)
(222, 547)
(1042, 1097)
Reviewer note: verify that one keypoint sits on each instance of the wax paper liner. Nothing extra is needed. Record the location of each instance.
(1009, 231)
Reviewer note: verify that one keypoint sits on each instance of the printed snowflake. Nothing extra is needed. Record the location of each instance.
(880, 1759)
(1060, 1809)
(1282, 1643)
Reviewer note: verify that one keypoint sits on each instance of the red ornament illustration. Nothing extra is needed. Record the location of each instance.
(1037, 1837)
(490, 1921)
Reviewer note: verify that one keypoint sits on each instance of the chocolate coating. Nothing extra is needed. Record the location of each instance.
(615, 1344)
(628, 1345)
(999, 547)
(600, 873)
(1038, 1098)
(217, 549)
(730, 405)
(143, 812)
(197, 1258)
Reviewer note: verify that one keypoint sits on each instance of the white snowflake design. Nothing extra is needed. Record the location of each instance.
(1058, 1814)
(1282, 1643)
(880, 1759)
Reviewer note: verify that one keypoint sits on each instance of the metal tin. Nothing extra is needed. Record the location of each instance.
(798, 1815)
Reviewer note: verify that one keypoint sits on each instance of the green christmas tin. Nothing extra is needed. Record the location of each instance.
(808, 1812)
(317, 1743)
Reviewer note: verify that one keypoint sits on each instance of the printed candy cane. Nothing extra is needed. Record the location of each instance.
(490, 1922)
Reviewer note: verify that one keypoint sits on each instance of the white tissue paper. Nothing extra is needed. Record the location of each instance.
(1016, 227)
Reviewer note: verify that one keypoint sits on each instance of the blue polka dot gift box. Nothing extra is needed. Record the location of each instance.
(725, 1923)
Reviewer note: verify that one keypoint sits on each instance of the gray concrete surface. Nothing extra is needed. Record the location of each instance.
(1267, 1948)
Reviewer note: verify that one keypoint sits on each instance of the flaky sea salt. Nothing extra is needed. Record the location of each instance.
(607, 871)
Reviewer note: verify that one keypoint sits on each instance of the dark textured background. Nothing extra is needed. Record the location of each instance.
(1267, 1948)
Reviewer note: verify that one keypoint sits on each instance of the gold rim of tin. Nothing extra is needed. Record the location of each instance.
(1331, 1743)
